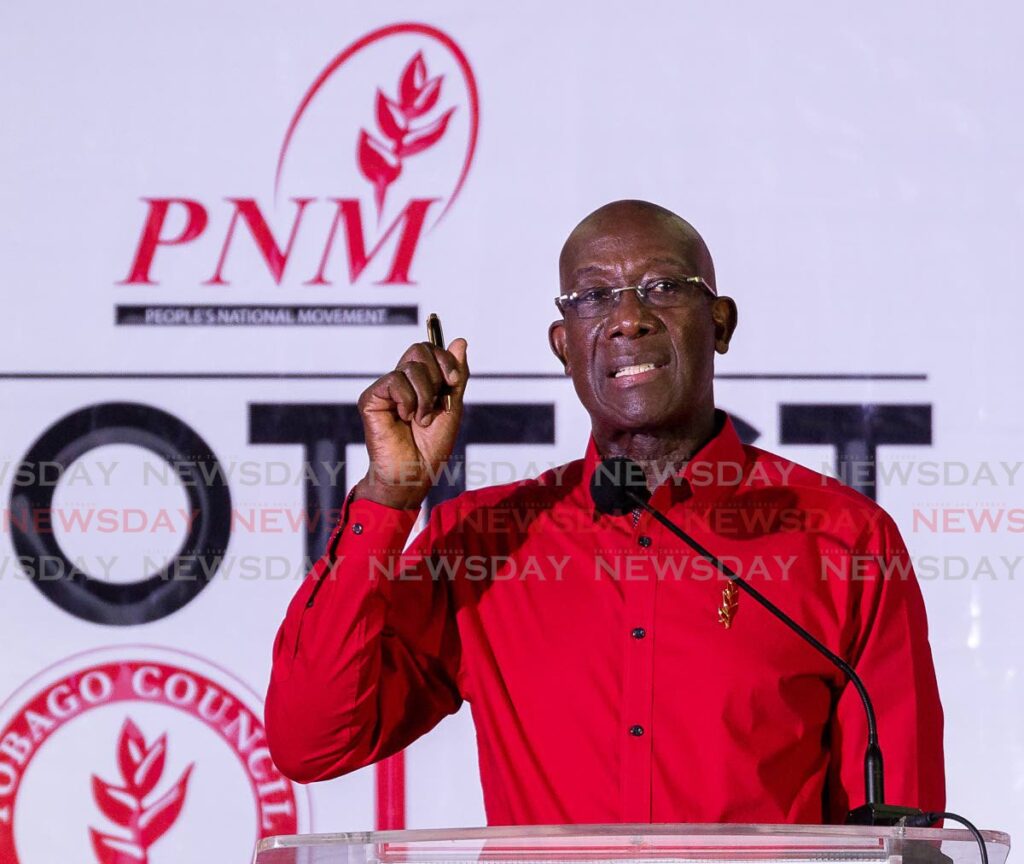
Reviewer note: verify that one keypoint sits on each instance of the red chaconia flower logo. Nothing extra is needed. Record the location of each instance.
(409, 120)
(402, 122)
(143, 817)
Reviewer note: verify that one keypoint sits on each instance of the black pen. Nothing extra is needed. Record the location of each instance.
(435, 335)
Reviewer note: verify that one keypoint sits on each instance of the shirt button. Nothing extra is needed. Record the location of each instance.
(638, 633)
(636, 731)
(357, 528)
(644, 541)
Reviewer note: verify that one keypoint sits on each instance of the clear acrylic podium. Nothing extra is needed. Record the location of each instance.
(639, 844)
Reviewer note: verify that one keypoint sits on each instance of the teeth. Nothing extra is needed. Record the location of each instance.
(634, 370)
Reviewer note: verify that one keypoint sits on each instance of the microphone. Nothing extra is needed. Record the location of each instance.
(619, 486)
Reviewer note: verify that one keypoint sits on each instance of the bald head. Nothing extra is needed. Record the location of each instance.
(643, 365)
(622, 222)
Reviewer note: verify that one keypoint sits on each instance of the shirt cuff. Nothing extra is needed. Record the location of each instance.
(367, 528)
(369, 533)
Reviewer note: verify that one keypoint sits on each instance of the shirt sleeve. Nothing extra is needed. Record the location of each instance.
(891, 654)
(366, 659)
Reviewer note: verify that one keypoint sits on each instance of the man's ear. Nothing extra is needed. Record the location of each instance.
(726, 317)
(556, 339)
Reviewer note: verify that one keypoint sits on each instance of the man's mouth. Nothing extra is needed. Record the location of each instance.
(633, 370)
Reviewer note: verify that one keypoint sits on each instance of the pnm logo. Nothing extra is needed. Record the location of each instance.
(125, 804)
(412, 163)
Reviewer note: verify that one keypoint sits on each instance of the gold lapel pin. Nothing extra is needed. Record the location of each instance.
(730, 604)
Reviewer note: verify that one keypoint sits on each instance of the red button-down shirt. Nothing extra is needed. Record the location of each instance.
(603, 685)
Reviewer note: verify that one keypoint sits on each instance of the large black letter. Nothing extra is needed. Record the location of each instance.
(150, 598)
(856, 431)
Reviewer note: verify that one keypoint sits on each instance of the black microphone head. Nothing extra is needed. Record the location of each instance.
(613, 484)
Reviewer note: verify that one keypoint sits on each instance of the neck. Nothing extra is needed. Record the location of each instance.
(660, 453)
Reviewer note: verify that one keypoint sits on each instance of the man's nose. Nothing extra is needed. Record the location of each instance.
(630, 317)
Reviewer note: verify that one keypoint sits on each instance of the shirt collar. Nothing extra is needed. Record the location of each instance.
(714, 472)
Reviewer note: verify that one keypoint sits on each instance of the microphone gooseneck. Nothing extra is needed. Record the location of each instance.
(619, 486)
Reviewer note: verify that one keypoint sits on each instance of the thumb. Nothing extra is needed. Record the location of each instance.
(458, 348)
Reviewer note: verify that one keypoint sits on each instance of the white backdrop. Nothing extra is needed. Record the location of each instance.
(855, 172)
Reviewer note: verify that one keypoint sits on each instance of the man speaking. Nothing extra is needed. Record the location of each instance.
(612, 674)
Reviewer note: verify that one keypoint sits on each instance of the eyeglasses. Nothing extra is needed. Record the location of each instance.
(660, 293)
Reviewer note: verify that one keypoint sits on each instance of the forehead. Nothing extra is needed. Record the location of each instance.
(628, 247)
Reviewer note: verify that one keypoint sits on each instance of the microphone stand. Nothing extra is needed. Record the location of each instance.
(875, 811)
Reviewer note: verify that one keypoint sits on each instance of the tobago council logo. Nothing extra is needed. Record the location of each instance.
(138, 755)
(374, 156)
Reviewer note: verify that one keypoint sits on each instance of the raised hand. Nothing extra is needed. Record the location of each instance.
(409, 436)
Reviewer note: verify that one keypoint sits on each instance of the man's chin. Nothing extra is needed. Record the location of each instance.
(639, 421)
(647, 416)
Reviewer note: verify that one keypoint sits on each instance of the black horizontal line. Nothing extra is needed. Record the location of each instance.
(370, 376)
(823, 376)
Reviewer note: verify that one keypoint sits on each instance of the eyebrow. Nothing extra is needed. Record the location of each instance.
(596, 270)
(592, 269)
(670, 262)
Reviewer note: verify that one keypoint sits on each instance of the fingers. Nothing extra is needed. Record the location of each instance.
(434, 373)
(426, 381)
(422, 366)
(391, 393)
(415, 390)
